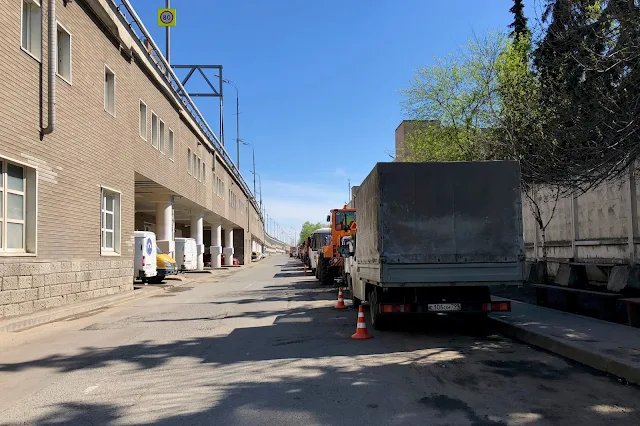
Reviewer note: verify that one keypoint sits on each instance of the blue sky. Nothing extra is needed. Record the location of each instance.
(318, 82)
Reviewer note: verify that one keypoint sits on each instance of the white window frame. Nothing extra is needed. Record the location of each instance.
(69, 59)
(29, 195)
(198, 174)
(33, 26)
(146, 122)
(189, 161)
(204, 173)
(170, 141)
(161, 139)
(108, 70)
(116, 231)
(154, 133)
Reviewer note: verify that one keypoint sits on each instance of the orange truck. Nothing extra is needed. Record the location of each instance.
(330, 262)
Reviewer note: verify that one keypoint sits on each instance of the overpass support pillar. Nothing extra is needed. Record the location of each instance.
(164, 226)
(228, 250)
(197, 234)
(216, 247)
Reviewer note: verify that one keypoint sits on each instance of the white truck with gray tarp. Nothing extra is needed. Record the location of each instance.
(432, 238)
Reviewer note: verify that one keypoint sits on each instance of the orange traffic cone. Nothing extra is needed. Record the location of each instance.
(361, 327)
(340, 304)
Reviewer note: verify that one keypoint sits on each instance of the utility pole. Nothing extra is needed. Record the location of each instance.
(349, 190)
(238, 125)
(254, 170)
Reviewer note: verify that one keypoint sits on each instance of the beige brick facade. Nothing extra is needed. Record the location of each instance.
(90, 149)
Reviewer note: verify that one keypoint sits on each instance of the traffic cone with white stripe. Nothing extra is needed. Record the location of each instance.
(340, 304)
(361, 327)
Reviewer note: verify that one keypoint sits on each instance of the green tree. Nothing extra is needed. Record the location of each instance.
(519, 24)
(308, 228)
(454, 98)
(586, 62)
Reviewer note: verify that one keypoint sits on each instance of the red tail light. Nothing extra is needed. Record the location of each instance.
(184, 258)
(144, 261)
(497, 306)
(395, 308)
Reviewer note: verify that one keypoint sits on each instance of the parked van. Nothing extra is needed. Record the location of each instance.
(165, 265)
(145, 256)
(186, 254)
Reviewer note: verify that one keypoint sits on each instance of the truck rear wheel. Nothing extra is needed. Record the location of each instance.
(326, 276)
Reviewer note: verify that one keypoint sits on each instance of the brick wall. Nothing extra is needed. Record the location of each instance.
(34, 286)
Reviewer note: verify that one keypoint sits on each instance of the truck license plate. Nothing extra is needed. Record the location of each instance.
(439, 307)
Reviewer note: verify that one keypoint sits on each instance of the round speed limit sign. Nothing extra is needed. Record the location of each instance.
(166, 17)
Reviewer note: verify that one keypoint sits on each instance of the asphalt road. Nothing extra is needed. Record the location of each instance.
(265, 347)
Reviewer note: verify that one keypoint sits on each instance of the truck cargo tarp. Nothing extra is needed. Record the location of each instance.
(454, 212)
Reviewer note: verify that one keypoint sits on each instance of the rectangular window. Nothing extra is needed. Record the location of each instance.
(64, 54)
(154, 130)
(143, 120)
(161, 130)
(17, 208)
(189, 162)
(110, 221)
(109, 91)
(31, 27)
(204, 173)
(170, 144)
(197, 174)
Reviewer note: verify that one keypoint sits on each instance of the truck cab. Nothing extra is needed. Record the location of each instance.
(317, 240)
(343, 225)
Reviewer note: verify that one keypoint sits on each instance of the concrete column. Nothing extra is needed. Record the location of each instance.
(228, 250)
(164, 226)
(216, 245)
(196, 233)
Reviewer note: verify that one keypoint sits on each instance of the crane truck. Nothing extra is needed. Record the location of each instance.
(433, 238)
(330, 261)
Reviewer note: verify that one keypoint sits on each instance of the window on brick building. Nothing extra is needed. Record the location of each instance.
(154, 130)
(31, 27)
(170, 144)
(109, 91)
(64, 54)
(161, 136)
(110, 221)
(189, 162)
(18, 200)
(143, 120)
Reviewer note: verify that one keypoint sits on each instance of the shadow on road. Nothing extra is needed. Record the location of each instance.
(305, 363)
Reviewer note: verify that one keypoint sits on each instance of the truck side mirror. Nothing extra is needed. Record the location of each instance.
(328, 218)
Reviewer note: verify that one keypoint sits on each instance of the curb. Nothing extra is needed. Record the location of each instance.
(56, 314)
(628, 372)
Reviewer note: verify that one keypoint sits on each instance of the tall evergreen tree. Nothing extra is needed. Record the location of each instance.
(519, 24)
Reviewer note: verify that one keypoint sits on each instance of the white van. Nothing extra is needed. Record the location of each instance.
(186, 254)
(145, 255)
(318, 240)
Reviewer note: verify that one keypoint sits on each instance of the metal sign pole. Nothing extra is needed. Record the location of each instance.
(168, 35)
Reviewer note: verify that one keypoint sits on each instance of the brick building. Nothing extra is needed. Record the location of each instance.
(126, 153)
